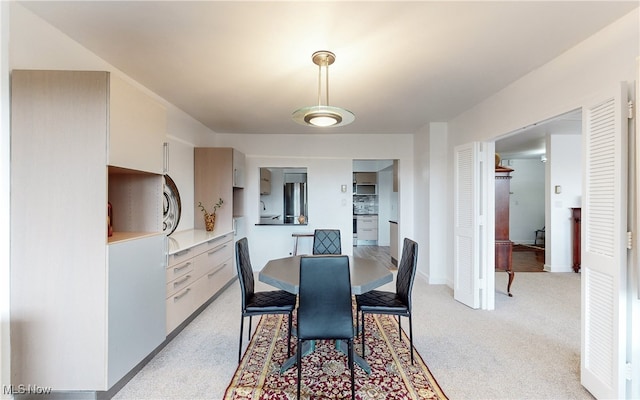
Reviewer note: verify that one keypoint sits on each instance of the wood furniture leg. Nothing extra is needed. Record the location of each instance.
(511, 276)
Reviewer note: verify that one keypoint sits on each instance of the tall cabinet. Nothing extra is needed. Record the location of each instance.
(503, 245)
(218, 174)
(85, 307)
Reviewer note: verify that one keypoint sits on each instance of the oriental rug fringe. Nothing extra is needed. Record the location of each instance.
(325, 372)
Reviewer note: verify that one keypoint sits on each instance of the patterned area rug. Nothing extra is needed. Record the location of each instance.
(325, 373)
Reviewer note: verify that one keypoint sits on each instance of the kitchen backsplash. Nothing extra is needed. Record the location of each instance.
(364, 204)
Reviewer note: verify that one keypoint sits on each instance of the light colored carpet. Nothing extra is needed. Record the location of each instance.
(528, 348)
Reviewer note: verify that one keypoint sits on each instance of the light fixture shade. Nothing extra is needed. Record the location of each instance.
(323, 116)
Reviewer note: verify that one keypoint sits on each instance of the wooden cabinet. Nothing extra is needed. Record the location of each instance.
(367, 228)
(137, 128)
(196, 273)
(576, 226)
(265, 181)
(395, 176)
(215, 171)
(238, 169)
(503, 246)
(84, 306)
(366, 178)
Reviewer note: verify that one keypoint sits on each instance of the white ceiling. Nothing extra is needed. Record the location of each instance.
(530, 141)
(244, 67)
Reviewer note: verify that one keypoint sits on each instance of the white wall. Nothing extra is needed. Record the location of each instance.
(526, 202)
(329, 162)
(564, 168)
(430, 199)
(562, 85)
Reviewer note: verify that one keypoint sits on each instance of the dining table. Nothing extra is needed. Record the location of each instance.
(366, 274)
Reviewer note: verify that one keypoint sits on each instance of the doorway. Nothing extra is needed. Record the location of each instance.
(375, 207)
(545, 185)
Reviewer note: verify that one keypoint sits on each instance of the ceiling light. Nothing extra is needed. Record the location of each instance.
(323, 115)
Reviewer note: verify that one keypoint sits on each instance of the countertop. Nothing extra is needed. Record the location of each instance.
(183, 240)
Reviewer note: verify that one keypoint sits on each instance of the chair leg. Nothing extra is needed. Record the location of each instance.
(351, 367)
(411, 338)
(240, 345)
(249, 332)
(400, 327)
(299, 364)
(289, 337)
(363, 336)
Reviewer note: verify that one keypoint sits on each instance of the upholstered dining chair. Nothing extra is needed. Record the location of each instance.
(259, 303)
(326, 241)
(325, 305)
(394, 303)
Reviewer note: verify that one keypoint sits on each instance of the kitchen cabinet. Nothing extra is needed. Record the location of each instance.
(136, 303)
(265, 181)
(238, 169)
(217, 172)
(137, 128)
(395, 176)
(367, 229)
(84, 306)
(366, 178)
(199, 267)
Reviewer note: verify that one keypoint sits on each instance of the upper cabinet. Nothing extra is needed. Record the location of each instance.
(265, 181)
(238, 169)
(395, 176)
(366, 178)
(218, 174)
(137, 129)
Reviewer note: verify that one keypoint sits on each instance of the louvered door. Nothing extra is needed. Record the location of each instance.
(604, 216)
(466, 273)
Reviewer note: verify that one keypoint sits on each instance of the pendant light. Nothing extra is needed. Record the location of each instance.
(323, 115)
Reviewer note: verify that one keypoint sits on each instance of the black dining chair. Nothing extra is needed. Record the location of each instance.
(259, 303)
(325, 305)
(394, 303)
(326, 241)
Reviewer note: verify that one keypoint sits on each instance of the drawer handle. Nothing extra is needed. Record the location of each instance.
(181, 295)
(176, 269)
(217, 249)
(216, 239)
(217, 270)
(181, 253)
(181, 281)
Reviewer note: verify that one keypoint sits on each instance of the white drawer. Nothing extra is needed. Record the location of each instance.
(212, 281)
(181, 256)
(212, 258)
(179, 307)
(180, 269)
(179, 284)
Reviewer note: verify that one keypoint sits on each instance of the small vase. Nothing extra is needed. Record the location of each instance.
(209, 221)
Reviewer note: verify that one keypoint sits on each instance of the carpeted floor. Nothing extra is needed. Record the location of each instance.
(325, 373)
(527, 348)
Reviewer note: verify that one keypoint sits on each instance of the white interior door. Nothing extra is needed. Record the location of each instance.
(604, 253)
(470, 230)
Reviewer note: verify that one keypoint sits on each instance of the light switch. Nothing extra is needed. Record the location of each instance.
(343, 188)
(558, 189)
